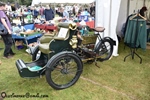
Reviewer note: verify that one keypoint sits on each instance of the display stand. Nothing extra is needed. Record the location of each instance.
(133, 49)
(132, 53)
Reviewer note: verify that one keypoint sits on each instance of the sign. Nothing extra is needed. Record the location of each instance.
(63, 32)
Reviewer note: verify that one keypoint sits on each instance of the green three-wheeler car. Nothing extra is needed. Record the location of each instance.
(61, 57)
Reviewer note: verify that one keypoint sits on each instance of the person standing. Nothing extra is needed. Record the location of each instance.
(65, 17)
(49, 13)
(8, 53)
(35, 13)
(41, 12)
(92, 10)
(60, 13)
(142, 11)
(74, 11)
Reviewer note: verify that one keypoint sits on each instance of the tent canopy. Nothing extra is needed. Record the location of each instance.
(61, 1)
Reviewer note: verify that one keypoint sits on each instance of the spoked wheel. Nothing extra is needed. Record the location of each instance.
(63, 70)
(105, 49)
(36, 54)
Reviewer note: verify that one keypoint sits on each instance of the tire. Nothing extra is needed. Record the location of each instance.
(105, 49)
(36, 54)
(63, 70)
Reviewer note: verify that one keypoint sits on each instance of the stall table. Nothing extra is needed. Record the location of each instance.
(45, 27)
(40, 26)
(27, 39)
(50, 28)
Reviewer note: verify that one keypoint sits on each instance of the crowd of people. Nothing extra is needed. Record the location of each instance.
(48, 13)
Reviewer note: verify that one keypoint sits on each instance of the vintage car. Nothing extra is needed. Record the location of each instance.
(62, 55)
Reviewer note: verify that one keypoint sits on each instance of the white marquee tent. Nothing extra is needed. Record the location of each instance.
(110, 14)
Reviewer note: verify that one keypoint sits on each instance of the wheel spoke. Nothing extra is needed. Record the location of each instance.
(105, 50)
(62, 79)
(74, 71)
(57, 76)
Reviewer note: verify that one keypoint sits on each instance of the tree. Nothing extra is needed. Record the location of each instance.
(21, 2)
(26, 2)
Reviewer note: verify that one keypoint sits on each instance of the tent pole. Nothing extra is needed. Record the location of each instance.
(128, 6)
(110, 14)
(144, 3)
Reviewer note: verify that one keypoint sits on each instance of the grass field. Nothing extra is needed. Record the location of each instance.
(114, 80)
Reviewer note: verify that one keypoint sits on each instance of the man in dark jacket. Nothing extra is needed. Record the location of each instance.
(49, 13)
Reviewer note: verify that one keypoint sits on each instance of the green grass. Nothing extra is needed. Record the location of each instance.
(114, 80)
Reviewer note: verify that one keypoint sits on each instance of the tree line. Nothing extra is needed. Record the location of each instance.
(20, 2)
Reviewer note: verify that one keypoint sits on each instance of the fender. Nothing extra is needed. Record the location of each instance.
(33, 50)
(99, 43)
(113, 41)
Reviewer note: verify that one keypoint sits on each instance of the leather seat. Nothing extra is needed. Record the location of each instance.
(99, 29)
(46, 38)
(44, 48)
(45, 42)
